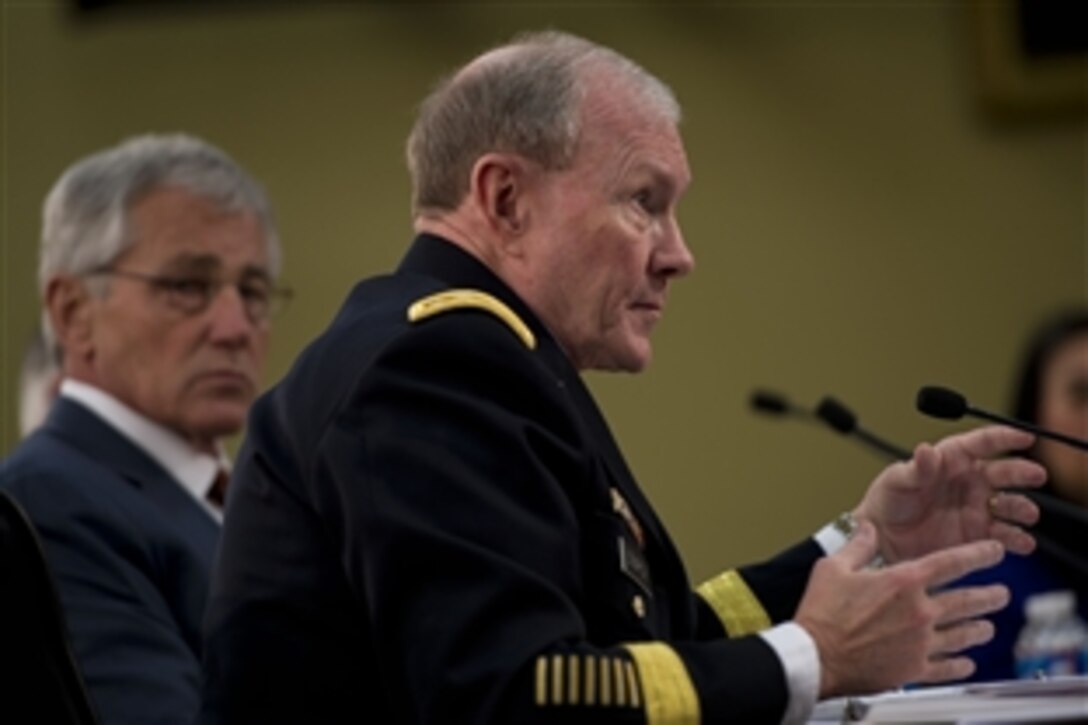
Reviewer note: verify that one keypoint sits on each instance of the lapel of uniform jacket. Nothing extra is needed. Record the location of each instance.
(614, 461)
(98, 440)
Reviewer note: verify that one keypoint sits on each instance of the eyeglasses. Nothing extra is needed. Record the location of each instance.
(192, 295)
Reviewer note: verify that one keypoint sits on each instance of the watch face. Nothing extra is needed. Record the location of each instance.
(846, 524)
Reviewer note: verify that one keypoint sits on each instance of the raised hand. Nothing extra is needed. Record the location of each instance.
(879, 628)
(954, 492)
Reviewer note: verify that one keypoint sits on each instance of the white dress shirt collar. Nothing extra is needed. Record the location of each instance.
(194, 470)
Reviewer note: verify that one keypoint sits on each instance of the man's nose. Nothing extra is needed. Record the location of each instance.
(230, 320)
(674, 258)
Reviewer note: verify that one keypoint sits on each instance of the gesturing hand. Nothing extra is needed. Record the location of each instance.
(880, 628)
(954, 492)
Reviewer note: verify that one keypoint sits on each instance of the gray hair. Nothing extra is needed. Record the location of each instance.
(526, 99)
(85, 216)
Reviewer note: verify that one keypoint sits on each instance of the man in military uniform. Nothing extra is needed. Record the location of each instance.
(431, 522)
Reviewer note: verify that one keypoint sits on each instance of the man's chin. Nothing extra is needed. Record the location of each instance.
(225, 387)
(628, 361)
(218, 422)
(637, 356)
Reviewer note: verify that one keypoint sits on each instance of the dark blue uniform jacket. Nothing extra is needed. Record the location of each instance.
(430, 522)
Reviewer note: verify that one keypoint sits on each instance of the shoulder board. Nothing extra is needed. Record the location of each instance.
(459, 299)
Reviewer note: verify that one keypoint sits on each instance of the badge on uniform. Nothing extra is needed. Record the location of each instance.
(633, 563)
(619, 505)
(632, 558)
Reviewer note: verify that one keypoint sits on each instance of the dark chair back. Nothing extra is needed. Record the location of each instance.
(39, 678)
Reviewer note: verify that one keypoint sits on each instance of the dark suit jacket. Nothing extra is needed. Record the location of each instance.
(131, 553)
(422, 529)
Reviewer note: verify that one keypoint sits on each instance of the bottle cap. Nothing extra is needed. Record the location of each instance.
(1050, 605)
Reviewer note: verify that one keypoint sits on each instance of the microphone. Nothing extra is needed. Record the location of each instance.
(943, 403)
(771, 403)
(843, 420)
(829, 411)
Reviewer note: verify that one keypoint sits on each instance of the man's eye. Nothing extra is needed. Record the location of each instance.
(649, 202)
(254, 292)
(190, 287)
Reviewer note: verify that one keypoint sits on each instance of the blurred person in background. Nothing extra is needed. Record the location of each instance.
(39, 379)
(157, 275)
(1051, 390)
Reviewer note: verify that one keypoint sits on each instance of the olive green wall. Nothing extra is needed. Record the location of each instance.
(861, 227)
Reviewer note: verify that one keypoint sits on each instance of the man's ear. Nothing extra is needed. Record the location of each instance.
(71, 313)
(499, 185)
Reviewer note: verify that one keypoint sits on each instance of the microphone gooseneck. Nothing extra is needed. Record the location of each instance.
(947, 404)
(842, 419)
(831, 412)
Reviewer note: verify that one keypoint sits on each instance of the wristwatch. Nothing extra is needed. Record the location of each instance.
(847, 525)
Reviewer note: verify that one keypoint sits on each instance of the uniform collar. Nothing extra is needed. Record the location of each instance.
(441, 259)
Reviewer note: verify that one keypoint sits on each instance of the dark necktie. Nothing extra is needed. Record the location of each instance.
(217, 494)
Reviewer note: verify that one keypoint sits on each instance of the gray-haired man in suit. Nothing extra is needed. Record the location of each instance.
(158, 262)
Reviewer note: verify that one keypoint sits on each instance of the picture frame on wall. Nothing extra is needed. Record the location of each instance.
(1032, 56)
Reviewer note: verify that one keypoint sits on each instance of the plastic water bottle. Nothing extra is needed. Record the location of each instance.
(1054, 641)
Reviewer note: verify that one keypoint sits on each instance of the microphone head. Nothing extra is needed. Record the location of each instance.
(836, 415)
(772, 403)
(941, 403)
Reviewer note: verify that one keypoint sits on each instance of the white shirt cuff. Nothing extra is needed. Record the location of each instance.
(830, 538)
(801, 663)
